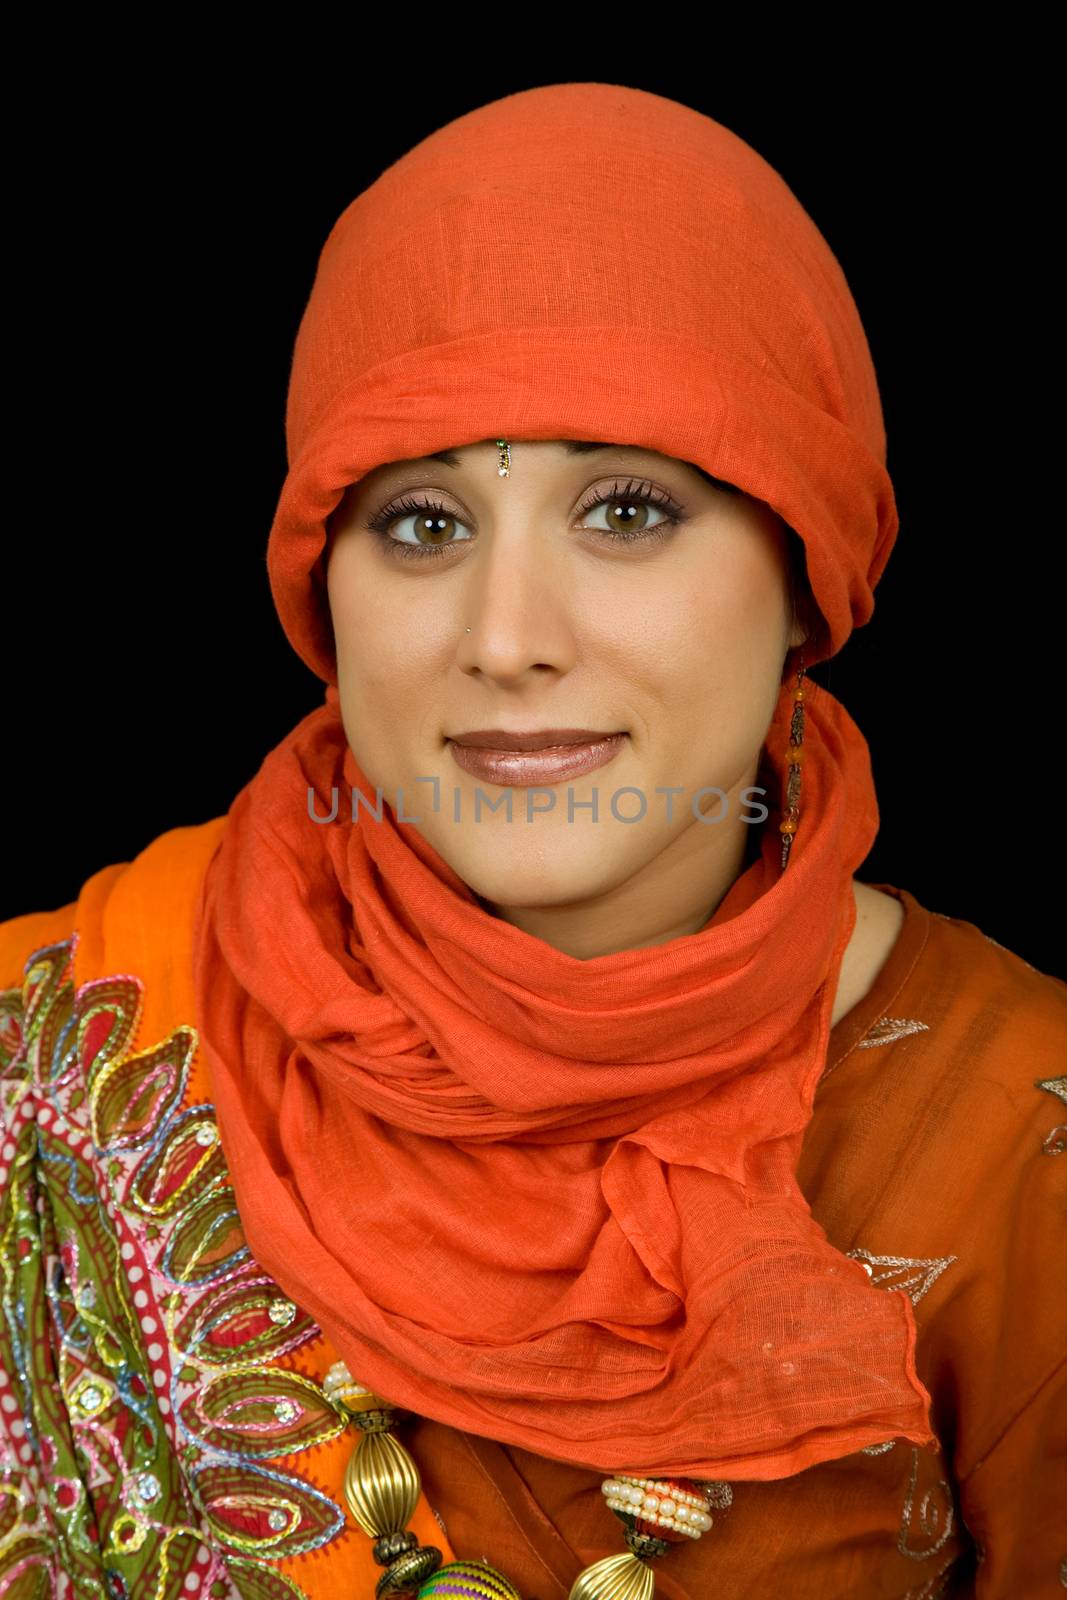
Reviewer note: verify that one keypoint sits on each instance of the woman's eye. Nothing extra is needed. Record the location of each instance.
(423, 530)
(628, 516)
(433, 529)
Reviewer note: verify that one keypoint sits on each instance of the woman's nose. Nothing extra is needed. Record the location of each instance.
(513, 609)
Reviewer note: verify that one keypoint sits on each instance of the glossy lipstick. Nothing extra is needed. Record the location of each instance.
(523, 760)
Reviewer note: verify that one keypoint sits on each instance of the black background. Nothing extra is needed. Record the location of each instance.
(170, 215)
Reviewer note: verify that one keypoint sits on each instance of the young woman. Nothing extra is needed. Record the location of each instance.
(511, 1153)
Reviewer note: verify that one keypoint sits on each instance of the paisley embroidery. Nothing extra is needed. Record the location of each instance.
(887, 1030)
(1055, 1141)
(141, 1404)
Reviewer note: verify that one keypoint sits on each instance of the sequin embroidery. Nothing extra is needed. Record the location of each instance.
(140, 1412)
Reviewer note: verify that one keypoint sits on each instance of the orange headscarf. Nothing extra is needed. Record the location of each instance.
(550, 1200)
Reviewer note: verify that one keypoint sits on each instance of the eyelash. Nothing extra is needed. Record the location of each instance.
(644, 493)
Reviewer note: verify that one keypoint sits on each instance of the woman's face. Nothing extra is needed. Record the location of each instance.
(606, 588)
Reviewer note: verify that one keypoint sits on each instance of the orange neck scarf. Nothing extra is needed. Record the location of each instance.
(546, 1200)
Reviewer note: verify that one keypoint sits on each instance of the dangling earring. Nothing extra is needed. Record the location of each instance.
(793, 751)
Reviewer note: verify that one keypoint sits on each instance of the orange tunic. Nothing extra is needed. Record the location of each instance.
(161, 1401)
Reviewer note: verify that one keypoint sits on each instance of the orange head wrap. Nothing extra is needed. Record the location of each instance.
(477, 290)
(549, 1200)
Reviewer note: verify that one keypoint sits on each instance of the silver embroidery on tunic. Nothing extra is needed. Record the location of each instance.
(1055, 1141)
(935, 1586)
(931, 1514)
(887, 1030)
(913, 1274)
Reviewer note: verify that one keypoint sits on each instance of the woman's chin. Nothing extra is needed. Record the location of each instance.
(528, 878)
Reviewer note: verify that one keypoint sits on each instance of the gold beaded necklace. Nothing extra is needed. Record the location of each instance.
(382, 1487)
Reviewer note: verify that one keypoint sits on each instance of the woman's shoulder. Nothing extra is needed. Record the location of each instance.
(935, 1156)
(956, 1034)
(963, 972)
(123, 902)
(134, 1313)
(21, 936)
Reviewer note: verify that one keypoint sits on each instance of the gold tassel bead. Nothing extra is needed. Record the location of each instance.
(381, 1485)
(623, 1577)
(656, 1513)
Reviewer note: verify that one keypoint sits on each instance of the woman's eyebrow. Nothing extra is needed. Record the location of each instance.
(574, 447)
(581, 447)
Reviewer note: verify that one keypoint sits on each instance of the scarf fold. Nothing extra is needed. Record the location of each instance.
(545, 1199)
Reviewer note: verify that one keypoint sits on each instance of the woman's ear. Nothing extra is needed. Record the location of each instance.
(800, 633)
(808, 623)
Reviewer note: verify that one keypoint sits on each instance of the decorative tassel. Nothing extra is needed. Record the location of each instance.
(656, 1514)
(382, 1487)
(793, 752)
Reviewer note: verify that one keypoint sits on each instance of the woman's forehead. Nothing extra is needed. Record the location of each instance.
(563, 448)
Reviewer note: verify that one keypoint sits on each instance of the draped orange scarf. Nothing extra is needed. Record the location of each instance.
(549, 1200)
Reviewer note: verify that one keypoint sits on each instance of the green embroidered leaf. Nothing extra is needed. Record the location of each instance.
(189, 1161)
(269, 1514)
(254, 1582)
(57, 1062)
(26, 1569)
(245, 1319)
(207, 1241)
(134, 1094)
(261, 1412)
(107, 1011)
(10, 1026)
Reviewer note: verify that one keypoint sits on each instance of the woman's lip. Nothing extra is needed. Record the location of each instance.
(519, 769)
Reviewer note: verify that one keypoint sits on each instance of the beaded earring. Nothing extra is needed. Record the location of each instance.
(382, 1487)
(793, 752)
